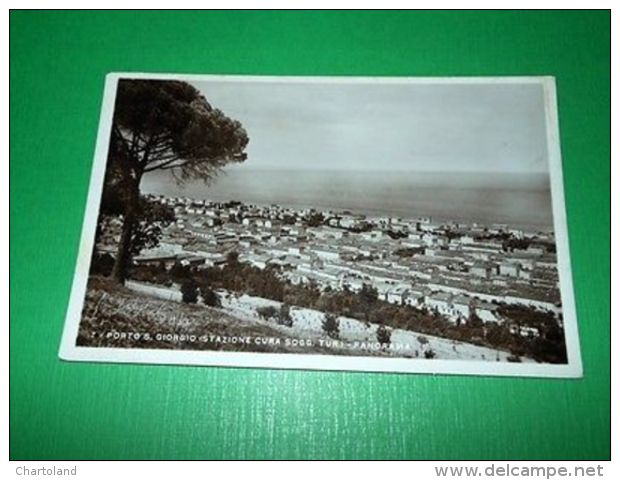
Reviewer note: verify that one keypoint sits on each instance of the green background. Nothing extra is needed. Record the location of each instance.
(63, 410)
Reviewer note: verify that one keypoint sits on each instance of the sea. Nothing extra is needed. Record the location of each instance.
(516, 199)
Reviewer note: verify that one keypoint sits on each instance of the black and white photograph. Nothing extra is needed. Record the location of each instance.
(333, 223)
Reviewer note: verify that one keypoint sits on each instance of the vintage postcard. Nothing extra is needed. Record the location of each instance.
(331, 223)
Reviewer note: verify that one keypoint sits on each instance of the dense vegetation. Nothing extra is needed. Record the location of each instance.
(365, 306)
(114, 316)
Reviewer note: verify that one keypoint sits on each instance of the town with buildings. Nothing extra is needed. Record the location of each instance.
(450, 268)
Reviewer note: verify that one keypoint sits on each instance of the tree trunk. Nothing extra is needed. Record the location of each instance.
(123, 253)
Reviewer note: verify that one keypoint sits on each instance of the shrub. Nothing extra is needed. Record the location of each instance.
(422, 340)
(209, 297)
(189, 291)
(331, 325)
(384, 335)
(102, 264)
(232, 258)
(368, 294)
(156, 274)
(429, 354)
(284, 315)
(267, 313)
(180, 273)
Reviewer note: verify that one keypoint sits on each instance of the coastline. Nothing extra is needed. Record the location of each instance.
(517, 200)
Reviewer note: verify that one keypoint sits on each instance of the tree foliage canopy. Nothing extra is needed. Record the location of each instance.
(169, 125)
(161, 125)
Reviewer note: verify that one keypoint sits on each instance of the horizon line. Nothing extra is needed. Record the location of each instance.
(376, 170)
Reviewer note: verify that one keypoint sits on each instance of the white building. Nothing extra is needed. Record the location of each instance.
(397, 295)
(535, 250)
(487, 312)
(415, 297)
(467, 240)
(439, 302)
(372, 236)
(460, 306)
(509, 269)
(481, 269)
(325, 254)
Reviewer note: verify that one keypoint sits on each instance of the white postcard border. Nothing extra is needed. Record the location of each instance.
(71, 352)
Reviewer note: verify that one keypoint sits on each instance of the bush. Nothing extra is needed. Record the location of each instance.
(429, 354)
(422, 340)
(331, 325)
(156, 274)
(232, 259)
(267, 313)
(384, 335)
(102, 264)
(209, 297)
(368, 294)
(284, 316)
(189, 291)
(180, 273)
